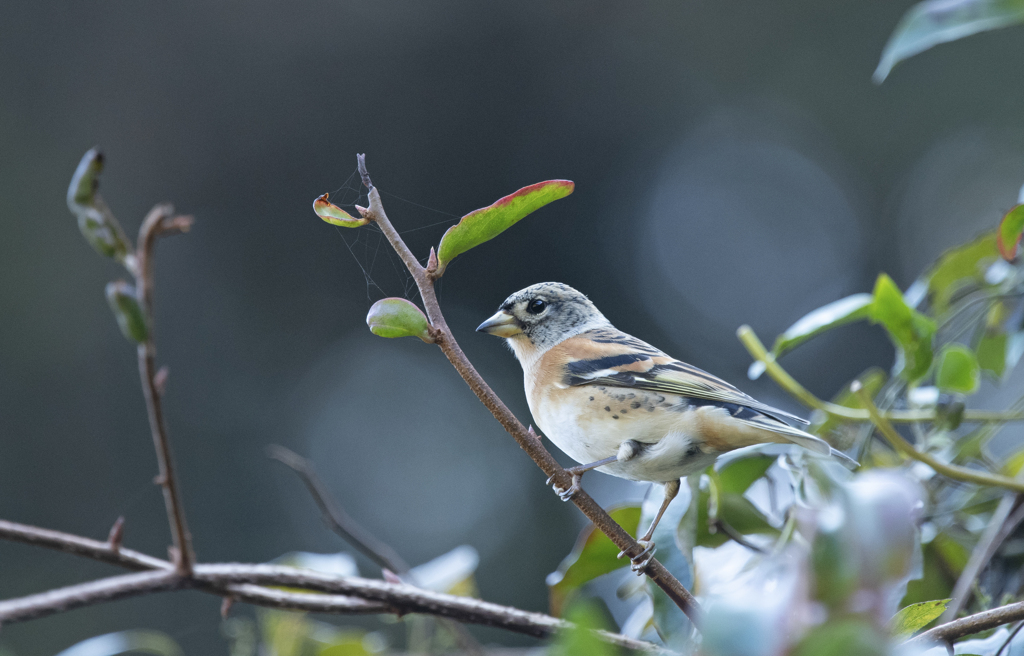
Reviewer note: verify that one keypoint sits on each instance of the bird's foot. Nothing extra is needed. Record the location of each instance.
(566, 495)
(640, 562)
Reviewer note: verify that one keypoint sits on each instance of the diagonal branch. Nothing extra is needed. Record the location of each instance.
(976, 623)
(527, 440)
(784, 380)
(160, 221)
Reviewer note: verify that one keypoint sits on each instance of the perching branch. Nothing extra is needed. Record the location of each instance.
(160, 221)
(977, 623)
(758, 351)
(903, 447)
(528, 441)
(246, 583)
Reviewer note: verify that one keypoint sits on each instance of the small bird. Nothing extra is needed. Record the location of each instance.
(623, 407)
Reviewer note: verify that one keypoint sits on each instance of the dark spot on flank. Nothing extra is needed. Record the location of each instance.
(615, 416)
(623, 411)
(650, 408)
(591, 398)
(607, 409)
(634, 405)
(601, 388)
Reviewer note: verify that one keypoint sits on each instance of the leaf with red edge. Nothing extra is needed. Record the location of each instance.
(334, 215)
(1010, 229)
(488, 222)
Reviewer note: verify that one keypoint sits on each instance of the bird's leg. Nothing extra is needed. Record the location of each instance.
(641, 560)
(627, 450)
(577, 473)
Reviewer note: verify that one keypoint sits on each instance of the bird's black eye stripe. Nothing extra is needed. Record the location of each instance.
(536, 306)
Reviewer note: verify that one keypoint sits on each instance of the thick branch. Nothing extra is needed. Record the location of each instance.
(971, 624)
(160, 221)
(526, 439)
(800, 393)
(903, 447)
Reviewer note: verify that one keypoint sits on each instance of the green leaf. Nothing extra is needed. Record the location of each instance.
(98, 226)
(580, 639)
(735, 510)
(1009, 233)
(932, 22)
(487, 223)
(958, 369)
(916, 616)
(126, 308)
(592, 556)
(848, 637)
(844, 311)
(738, 475)
(137, 641)
(958, 267)
(909, 330)
(992, 353)
(334, 215)
(397, 317)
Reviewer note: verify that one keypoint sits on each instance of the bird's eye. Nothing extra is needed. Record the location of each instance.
(536, 306)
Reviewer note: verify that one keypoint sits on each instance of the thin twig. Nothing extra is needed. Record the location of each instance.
(352, 532)
(758, 351)
(336, 518)
(424, 278)
(245, 582)
(159, 222)
(903, 447)
(737, 537)
(971, 624)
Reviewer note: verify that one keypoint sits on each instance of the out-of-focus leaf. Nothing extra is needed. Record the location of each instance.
(488, 222)
(334, 215)
(676, 554)
(992, 353)
(740, 474)
(916, 616)
(580, 639)
(345, 643)
(397, 317)
(1014, 464)
(937, 577)
(909, 330)
(1012, 225)
(451, 573)
(958, 369)
(842, 638)
(815, 322)
(871, 380)
(959, 266)
(99, 228)
(593, 555)
(136, 641)
(954, 555)
(932, 22)
(735, 510)
(125, 306)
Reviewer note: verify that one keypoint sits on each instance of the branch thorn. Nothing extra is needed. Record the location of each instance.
(116, 535)
(160, 380)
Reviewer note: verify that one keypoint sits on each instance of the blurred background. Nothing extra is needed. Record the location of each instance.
(733, 163)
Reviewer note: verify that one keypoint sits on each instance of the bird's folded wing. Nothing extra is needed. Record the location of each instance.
(615, 359)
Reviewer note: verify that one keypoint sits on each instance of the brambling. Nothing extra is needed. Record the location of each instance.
(620, 405)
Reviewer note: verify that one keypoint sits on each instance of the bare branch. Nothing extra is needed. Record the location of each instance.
(527, 441)
(336, 518)
(244, 583)
(160, 221)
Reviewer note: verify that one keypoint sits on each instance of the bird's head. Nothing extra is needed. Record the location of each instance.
(542, 315)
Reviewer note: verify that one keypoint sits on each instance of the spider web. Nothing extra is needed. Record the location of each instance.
(382, 268)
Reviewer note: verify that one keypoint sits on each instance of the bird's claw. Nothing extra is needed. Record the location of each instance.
(640, 562)
(566, 495)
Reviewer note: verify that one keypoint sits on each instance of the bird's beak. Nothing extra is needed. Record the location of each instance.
(502, 324)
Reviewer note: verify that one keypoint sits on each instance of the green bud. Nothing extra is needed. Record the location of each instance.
(128, 312)
(397, 317)
(98, 226)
